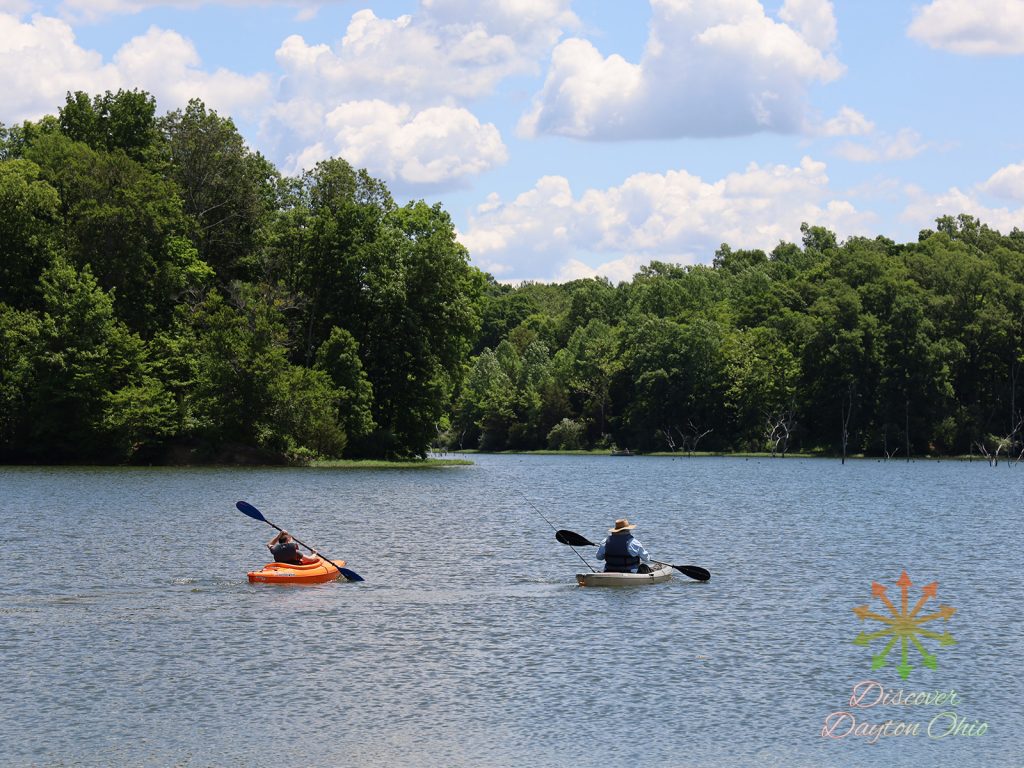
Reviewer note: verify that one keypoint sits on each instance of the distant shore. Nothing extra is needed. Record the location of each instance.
(734, 455)
(428, 463)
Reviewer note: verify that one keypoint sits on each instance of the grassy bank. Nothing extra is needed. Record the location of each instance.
(394, 464)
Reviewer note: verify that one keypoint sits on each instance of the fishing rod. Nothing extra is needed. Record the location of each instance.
(555, 530)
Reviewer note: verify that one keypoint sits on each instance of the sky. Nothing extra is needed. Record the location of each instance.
(577, 138)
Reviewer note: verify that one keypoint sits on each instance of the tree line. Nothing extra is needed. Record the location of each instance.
(166, 294)
(862, 347)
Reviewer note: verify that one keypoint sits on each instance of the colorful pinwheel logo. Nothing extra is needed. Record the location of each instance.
(905, 625)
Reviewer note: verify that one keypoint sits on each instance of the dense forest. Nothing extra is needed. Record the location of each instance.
(867, 346)
(167, 295)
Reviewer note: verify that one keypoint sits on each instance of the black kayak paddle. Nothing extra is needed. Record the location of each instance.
(248, 509)
(573, 539)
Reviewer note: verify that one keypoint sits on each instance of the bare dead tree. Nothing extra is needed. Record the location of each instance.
(1019, 456)
(1003, 445)
(696, 434)
(1012, 440)
(778, 428)
(983, 450)
(669, 440)
(885, 444)
(846, 411)
(906, 433)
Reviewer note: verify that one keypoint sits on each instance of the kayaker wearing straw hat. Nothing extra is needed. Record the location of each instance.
(621, 552)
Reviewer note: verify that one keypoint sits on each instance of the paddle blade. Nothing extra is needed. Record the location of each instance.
(694, 572)
(572, 539)
(248, 509)
(350, 575)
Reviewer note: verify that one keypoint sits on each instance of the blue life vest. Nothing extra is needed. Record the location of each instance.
(616, 554)
(286, 553)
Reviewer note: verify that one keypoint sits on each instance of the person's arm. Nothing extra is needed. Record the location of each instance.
(639, 551)
(600, 550)
(273, 541)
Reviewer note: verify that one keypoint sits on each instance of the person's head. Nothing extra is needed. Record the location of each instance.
(284, 537)
(621, 526)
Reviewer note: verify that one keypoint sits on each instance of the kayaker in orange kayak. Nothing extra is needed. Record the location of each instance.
(285, 550)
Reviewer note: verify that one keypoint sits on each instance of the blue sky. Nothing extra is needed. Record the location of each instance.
(570, 139)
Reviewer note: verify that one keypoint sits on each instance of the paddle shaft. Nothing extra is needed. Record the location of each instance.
(556, 532)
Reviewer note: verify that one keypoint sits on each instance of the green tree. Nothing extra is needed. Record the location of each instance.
(246, 392)
(486, 405)
(241, 351)
(839, 364)
(915, 387)
(86, 357)
(338, 357)
(19, 349)
(763, 375)
(417, 323)
(114, 121)
(589, 364)
(29, 231)
(305, 415)
(126, 223)
(320, 251)
(227, 189)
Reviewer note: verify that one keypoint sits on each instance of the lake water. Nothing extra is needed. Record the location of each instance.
(130, 636)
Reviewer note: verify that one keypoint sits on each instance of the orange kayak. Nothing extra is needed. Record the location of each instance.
(315, 572)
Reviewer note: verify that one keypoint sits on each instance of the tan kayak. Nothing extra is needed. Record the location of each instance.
(660, 572)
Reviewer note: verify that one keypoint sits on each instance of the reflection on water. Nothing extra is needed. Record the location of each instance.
(132, 636)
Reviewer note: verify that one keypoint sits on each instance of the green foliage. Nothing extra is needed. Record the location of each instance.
(227, 190)
(588, 365)
(567, 435)
(164, 292)
(338, 357)
(304, 419)
(28, 230)
(19, 349)
(114, 121)
(85, 357)
(122, 220)
(191, 298)
(865, 345)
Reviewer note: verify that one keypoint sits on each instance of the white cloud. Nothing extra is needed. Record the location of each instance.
(979, 27)
(674, 216)
(814, 20)
(434, 57)
(885, 148)
(709, 69)
(40, 61)
(410, 73)
(166, 64)
(535, 24)
(618, 270)
(96, 10)
(15, 7)
(346, 100)
(1007, 182)
(848, 122)
(923, 209)
(439, 146)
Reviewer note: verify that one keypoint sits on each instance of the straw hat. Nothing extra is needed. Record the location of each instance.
(621, 525)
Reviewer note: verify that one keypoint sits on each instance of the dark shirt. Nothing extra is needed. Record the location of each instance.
(286, 553)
